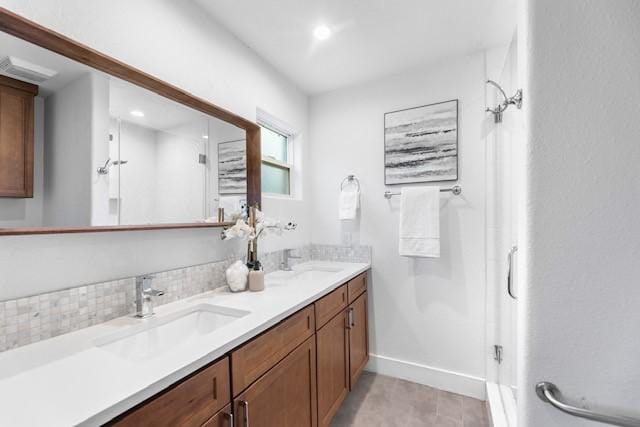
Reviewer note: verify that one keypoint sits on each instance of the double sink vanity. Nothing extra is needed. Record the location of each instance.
(287, 356)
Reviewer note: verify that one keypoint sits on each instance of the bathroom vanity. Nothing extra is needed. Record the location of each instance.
(297, 373)
(287, 356)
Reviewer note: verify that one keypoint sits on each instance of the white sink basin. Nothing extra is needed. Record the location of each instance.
(158, 336)
(305, 274)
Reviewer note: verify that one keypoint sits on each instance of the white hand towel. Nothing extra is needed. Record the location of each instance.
(349, 203)
(420, 222)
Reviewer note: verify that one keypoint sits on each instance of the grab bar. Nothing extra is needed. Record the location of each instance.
(546, 391)
(510, 272)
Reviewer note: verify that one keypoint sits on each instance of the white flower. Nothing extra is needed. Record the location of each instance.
(239, 230)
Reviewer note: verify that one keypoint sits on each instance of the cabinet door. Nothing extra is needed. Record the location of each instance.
(16, 138)
(333, 366)
(283, 397)
(358, 337)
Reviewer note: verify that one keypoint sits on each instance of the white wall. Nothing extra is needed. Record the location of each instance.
(139, 176)
(100, 149)
(67, 154)
(196, 55)
(580, 321)
(427, 315)
(180, 179)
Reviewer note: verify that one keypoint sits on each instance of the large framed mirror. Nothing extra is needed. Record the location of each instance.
(90, 144)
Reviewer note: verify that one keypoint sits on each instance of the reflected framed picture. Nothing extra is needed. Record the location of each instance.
(421, 144)
(232, 167)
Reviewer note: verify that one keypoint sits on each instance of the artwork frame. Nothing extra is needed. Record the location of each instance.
(413, 135)
(232, 179)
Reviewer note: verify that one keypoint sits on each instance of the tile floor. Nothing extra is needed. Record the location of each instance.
(378, 400)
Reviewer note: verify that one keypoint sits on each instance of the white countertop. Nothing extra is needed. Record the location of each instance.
(68, 380)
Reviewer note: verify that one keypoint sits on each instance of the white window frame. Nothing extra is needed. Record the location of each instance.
(274, 125)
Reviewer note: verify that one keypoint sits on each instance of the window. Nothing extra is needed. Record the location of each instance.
(276, 162)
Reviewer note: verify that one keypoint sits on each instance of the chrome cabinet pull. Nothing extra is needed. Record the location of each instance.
(229, 417)
(245, 412)
(546, 391)
(352, 322)
(510, 272)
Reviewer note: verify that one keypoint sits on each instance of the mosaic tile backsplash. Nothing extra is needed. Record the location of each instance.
(27, 320)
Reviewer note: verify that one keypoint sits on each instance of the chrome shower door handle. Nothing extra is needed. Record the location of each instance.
(546, 391)
(510, 272)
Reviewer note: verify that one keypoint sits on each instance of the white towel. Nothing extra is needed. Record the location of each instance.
(232, 205)
(420, 222)
(349, 202)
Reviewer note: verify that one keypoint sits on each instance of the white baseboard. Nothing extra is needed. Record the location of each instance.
(442, 379)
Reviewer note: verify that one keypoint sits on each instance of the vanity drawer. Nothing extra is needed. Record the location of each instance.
(190, 403)
(330, 305)
(255, 358)
(357, 286)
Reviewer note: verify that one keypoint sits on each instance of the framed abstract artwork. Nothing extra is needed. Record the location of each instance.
(232, 167)
(421, 144)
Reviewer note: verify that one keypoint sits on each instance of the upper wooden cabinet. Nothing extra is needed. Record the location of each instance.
(16, 137)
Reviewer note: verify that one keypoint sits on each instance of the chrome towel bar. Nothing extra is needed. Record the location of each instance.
(546, 391)
(456, 190)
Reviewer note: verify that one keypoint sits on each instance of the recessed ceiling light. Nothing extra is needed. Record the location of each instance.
(322, 32)
(205, 136)
(137, 113)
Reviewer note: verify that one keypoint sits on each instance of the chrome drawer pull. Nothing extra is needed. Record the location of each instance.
(229, 417)
(245, 412)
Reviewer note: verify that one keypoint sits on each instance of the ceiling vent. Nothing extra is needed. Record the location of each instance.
(23, 70)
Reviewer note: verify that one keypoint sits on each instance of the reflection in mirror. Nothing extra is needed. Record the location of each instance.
(110, 153)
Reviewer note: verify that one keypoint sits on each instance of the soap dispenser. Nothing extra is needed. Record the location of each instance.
(256, 278)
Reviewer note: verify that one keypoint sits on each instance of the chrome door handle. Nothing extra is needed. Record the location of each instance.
(546, 391)
(245, 412)
(510, 272)
(352, 322)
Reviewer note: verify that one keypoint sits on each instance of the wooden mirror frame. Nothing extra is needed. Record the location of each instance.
(32, 32)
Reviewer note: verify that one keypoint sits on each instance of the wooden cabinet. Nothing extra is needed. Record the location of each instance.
(259, 355)
(283, 397)
(16, 137)
(191, 402)
(358, 338)
(330, 305)
(356, 286)
(332, 352)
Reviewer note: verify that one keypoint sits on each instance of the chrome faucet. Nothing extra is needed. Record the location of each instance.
(286, 256)
(144, 296)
